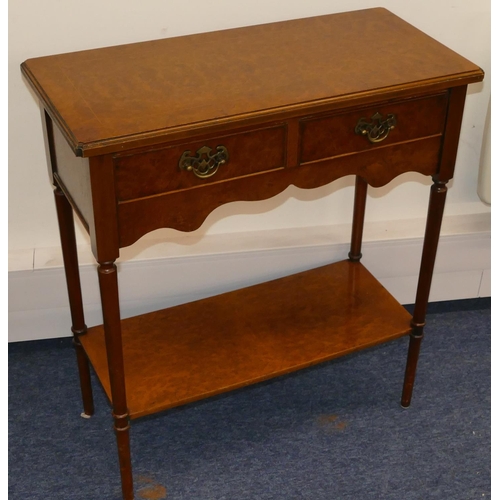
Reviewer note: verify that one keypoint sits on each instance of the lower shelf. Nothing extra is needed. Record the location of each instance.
(195, 350)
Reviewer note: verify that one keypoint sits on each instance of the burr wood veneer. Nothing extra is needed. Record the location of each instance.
(158, 134)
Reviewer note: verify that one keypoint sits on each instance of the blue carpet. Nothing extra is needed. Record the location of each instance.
(330, 432)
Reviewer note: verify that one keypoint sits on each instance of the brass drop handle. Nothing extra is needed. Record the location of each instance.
(204, 163)
(377, 129)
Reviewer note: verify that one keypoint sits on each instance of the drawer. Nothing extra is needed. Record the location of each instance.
(371, 127)
(183, 166)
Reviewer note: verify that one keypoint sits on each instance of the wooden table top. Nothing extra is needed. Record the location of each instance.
(113, 98)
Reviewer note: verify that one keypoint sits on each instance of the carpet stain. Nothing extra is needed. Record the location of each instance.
(153, 490)
(331, 422)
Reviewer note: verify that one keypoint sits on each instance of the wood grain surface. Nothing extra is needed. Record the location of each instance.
(203, 348)
(140, 93)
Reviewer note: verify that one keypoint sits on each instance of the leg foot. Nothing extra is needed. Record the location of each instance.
(122, 427)
(85, 381)
(411, 367)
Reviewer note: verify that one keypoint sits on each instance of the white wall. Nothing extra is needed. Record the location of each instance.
(42, 28)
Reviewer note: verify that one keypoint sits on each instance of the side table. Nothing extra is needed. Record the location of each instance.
(160, 133)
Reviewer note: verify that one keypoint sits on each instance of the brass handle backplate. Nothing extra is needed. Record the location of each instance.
(204, 163)
(377, 129)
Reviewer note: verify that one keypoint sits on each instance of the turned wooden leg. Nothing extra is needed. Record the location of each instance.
(108, 285)
(358, 219)
(70, 258)
(431, 239)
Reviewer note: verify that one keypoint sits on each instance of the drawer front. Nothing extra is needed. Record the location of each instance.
(372, 127)
(201, 162)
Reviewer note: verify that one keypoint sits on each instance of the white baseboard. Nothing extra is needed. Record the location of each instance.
(154, 274)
